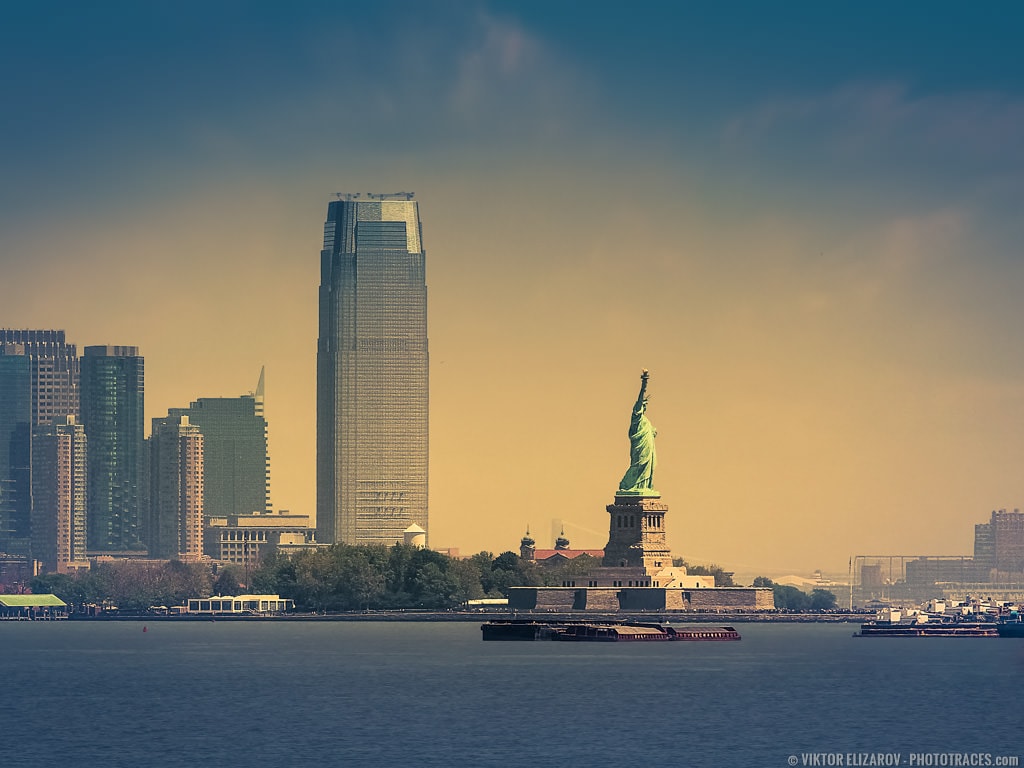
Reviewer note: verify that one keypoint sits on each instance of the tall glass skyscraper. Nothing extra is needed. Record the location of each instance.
(372, 372)
(112, 402)
(15, 450)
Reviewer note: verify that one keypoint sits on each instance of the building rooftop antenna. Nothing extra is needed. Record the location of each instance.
(350, 196)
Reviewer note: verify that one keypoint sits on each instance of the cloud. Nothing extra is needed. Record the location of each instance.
(867, 122)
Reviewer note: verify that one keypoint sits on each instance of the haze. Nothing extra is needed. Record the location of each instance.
(802, 218)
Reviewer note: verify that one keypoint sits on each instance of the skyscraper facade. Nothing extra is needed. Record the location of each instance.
(54, 369)
(235, 457)
(59, 487)
(15, 450)
(372, 372)
(112, 408)
(174, 521)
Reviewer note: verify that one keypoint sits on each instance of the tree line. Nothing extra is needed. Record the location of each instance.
(789, 598)
(336, 578)
(346, 577)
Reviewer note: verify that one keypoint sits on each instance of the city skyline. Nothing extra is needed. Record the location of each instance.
(800, 219)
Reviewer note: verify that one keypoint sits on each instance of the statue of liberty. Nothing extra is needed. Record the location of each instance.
(639, 478)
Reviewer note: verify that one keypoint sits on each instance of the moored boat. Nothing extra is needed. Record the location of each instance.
(1010, 626)
(891, 623)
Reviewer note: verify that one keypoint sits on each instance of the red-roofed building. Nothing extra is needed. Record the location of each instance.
(557, 556)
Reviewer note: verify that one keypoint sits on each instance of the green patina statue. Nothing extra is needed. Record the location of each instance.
(639, 478)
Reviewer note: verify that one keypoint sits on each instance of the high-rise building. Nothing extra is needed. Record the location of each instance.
(53, 396)
(985, 548)
(15, 450)
(59, 487)
(174, 521)
(235, 458)
(372, 372)
(55, 371)
(1008, 538)
(112, 408)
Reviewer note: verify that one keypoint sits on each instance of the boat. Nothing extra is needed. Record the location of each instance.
(1010, 626)
(890, 623)
(600, 631)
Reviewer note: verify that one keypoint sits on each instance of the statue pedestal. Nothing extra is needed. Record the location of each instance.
(636, 534)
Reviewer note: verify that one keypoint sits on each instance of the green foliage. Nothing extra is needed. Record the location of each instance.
(792, 599)
(229, 581)
(581, 565)
(352, 578)
(789, 598)
(763, 581)
(131, 585)
(822, 600)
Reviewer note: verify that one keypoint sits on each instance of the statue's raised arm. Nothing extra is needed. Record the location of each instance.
(639, 478)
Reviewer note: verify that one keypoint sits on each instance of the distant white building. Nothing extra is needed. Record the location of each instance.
(240, 604)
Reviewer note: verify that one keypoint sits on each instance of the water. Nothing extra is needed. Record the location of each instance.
(434, 694)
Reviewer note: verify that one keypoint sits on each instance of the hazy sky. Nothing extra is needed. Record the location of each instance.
(803, 218)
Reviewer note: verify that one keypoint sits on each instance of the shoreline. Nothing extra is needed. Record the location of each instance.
(483, 616)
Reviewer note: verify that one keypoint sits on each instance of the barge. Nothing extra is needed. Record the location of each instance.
(595, 631)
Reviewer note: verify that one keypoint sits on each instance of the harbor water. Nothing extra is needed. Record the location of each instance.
(433, 694)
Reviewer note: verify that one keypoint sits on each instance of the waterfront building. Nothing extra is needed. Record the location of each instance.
(236, 474)
(372, 372)
(240, 604)
(32, 608)
(112, 407)
(15, 451)
(174, 522)
(60, 495)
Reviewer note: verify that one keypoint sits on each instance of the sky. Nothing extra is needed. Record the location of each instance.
(802, 217)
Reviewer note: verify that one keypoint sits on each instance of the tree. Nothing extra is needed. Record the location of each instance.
(581, 565)
(468, 580)
(275, 576)
(229, 581)
(790, 598)
(822, 600)
(484, 562)
(763, 581)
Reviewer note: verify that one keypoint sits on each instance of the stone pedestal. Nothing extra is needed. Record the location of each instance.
(636, 534)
